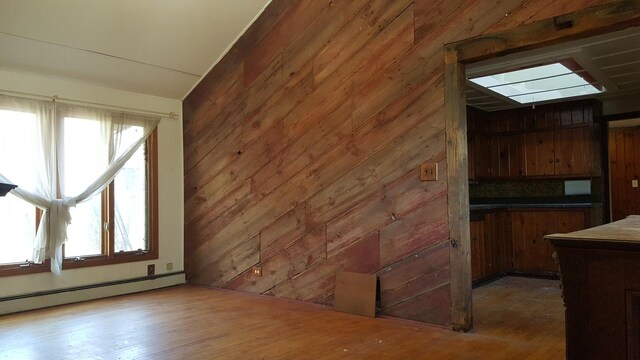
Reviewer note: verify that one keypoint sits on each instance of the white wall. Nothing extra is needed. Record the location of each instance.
(170, 186)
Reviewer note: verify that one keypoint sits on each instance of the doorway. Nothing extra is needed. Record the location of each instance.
(624, 167)
(575, 26)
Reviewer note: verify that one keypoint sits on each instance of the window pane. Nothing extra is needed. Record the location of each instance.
(85, 158)
(17, 230)
(130, 192)
(19, 144)
(84, 235)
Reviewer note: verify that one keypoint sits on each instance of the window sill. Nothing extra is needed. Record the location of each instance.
(20, 269)
(118, 258)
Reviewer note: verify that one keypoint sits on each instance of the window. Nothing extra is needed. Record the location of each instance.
(117, 226)
(541, 83)
(83, 147)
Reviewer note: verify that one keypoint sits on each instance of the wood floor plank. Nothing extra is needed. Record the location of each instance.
(515, 318)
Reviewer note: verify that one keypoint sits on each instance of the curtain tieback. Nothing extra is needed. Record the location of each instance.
(60, 218)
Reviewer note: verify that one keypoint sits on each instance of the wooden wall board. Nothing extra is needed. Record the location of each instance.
(323, 28)
(355, 293)
(230, 265)
(279, 268)
(254, 34)
(415, 275)
(282, 232)
(393, 202)
(432, 307)
(323, 106)
(431, 14)
(319, 281)
(210, 222)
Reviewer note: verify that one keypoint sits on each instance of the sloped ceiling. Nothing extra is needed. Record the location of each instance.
(156, 47)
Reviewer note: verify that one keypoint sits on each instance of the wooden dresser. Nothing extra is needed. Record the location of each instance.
(600, 271)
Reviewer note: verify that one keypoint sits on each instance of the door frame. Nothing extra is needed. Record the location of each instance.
(573, 26)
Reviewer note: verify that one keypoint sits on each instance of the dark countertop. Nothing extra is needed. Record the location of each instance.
(530, 206)
(564, 202)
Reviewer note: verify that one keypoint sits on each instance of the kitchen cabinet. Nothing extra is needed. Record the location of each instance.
(560, 152)
(557, 140)
(511, 240)
(531, 253)
(490, 245)
(476, 232)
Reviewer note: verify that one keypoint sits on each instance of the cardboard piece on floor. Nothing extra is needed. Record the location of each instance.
(356, 293)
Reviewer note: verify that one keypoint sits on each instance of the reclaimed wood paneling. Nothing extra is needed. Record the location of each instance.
(285, 264)
(421, 273)
(302, 147)
(281, 233)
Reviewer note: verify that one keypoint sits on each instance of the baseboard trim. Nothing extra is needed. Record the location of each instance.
(41, 299)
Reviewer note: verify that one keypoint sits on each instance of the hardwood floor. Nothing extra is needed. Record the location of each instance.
(515, 318)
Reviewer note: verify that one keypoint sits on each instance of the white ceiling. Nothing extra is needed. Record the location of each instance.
(156, 47)
(613, 59)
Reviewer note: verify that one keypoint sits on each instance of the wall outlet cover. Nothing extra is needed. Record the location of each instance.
(429, 172)
(256, 271)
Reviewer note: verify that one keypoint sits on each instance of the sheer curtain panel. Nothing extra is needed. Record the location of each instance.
(78, 151)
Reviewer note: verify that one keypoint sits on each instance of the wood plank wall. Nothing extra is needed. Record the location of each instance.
(302, 149)
(624, 165)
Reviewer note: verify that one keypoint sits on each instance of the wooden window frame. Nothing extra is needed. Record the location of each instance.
(108, 256)
(577, 25)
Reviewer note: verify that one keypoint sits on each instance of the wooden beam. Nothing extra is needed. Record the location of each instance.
(576, 25)
(458, 192)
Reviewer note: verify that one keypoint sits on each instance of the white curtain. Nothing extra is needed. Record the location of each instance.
(36, 182)
(101, 141)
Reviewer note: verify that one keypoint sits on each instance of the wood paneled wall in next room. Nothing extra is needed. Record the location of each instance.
(624, 167)
(302, 149)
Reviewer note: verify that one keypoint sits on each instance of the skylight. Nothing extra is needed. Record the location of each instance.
(540, 83)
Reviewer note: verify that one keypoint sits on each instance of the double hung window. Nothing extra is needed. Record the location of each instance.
(95, 165)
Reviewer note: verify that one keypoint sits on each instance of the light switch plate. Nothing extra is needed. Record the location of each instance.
(634, 183)
(429, 172)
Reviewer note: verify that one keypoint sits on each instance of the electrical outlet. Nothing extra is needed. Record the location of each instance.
(429, 172)
(256, 271)
(151, 270)
(169, 266)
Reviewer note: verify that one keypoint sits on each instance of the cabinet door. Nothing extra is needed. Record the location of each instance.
(471, 152)
(477, 250)
(494, 155)
(504, 161)
(583, 150)
(482, 156)
(498, 242)
(562, 142)
(531, 252)
(571, 220)
(573, 151)
(517, 157)
(539, 153)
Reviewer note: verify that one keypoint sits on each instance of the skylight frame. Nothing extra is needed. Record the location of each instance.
(513, 83)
